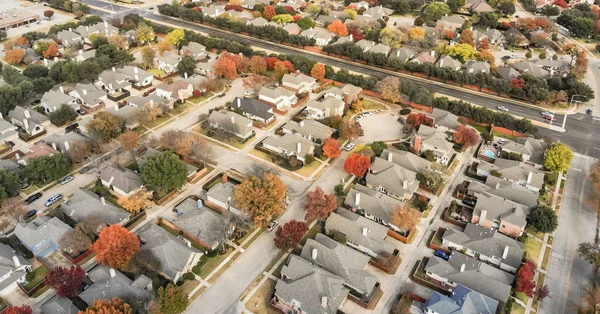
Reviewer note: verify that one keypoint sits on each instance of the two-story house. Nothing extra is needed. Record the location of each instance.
(299, 82)
(279, 98)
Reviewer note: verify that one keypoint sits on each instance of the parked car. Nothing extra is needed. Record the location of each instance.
(81, 112)
(441, 254)
(273, 225)
(51, 201)
(506, 57)
(469, 202)
(589, 111)
(221, 95)
(502, 108)
(11, 143)
(33, 197)
(366, 114)
(501, 141)
(358, 118)
(30, 214)
(249, 92)
(244, 75)
(349, 147)
(66, 179)
(547, 113)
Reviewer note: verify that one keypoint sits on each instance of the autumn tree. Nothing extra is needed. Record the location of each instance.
(318, 71)
(25, 309)
(106, 125)
(405, 218)
(258, 65)
(416, 119)
(74, 242)
(461, 52)
(590, 252)
(48, 14)
(357, 164)
(137, 201)
(542, 293)
(12, 208)
(14, 56)
(558, 157)
(590, 300)
(416, 33)
(115, 246)
(51, 51)
(269, 12)
(466, 37)
(338, 28)
(280, 69)
(389, 88)
(148, 55)
(130, 141)
(318, 204)
(256, 82)
(332, 148)
(175, 37)
(261, 197)
(524, 279)
(118, 41)
(484, 44)
(486, 56)
(163, 46)
(349, 130)
(226, 68)
(144, 33)
(66, 282)
(465, 135)
(172, 299)
(114, 306)
(289, 235)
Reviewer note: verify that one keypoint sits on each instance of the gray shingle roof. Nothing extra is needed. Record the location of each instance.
(223, 192)
(274, 93)
(461, 301)
(354, 226)
(193, 48)
(59, 305)
(403, 54)
(35, 118)
(407, 160)
(289, 142)
(131, 72)
(435, 138)
(505, 189)
(86, 203)
(123, 179)
(107, 287)
(7, 265)
(474, 66)
(527, 145)
(171, 253)
(445, 118)
(41, 229)
(8, 164)
(515, 170)
(372, 202)
(393, 177)
(254, 107)
(309, 127)
(498, 208)
(6, 130)
(54, 98)
(60, 140)
(507, 72)
(241, 124)
(202, 222)
(530, 68)
(448, 62)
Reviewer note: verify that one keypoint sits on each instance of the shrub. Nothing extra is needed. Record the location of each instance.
(188, 276)
(405, 111)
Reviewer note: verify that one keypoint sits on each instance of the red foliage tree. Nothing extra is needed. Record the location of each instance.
(197, 9)
(297, 18)
(466, 136)
(543, 292)
(484, 44)
(269, 12)
(448, 34)
(66, 282)
(332, 148)
(49, 14)
(356, 34)
(357, 164)
(416, 119)
(318, 204)
(196, 93)
(115, 246)
(289, 235)
(234, 7)
(271, 62)
(505, 25)
(25, 309)
(561, 3)
(289, 65)
(517, 83)
(525, 281)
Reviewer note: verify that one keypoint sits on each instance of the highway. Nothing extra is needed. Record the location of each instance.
(580, 127)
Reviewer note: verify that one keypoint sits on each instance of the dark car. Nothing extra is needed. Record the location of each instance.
(589, 111)
(33, 197)
(441, 254)
(469, 202)
(81, 112)
(221, 95)
(11, 143)
(30, 214)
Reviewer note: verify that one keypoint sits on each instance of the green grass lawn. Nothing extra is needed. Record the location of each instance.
(481, 129)
(532, 249)
(371, 105)
(32, 188)
(157, 72)
(213, 262)
(261, 155)
(199, 99)
(311, 234)
(521, 296)
(308, 170)
(180, 109)
(506, 136)
(517, 309)
(39, 273)
(546, 258)
(158, 121)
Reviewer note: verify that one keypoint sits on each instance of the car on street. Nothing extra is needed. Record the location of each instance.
(469, 202)
(589, 111)
(441, 254)
(547, 113)
(506, 57)
(51, 201)
(80, 111)
(501, 141)
(30, 214)
(358, 118)
(273, 225)
(66, 179)
(249, 92)
(550, 118)
(502, 108)
(349, 147)
(33, 197)
(221, 95)
(366, 114)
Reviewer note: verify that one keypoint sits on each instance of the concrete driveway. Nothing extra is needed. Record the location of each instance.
(382, 126)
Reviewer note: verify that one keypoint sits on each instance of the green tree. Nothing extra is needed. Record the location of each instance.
(488, 19)
(106, 125)
(378, 147)
(435, 11)
(461, 52)
(549, 10)
(41, 170)
(186, 65)
(282, 18)
(543, 218)
(558, 157)
(163, 172)
(507, 8)
(9, 184)
(176, 37)
(172, 299)
(62, 115)
(144, 33)
(306, 23)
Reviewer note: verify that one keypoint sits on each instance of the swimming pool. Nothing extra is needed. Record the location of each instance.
(489, 153)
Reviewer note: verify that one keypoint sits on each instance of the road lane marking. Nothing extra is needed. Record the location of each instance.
(575, 169)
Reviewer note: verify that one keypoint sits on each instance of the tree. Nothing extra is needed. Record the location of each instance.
(258, 65)
(486, 56)
(542, 293)
(279, 70)
(25, 309)
(488, 19)
(462, 52)
(135, 202)
(306, 23)
(466, 37)
(148, 55)
(332, 148)
(590, 303)
(74, 242)
(378, 147)
(507, 8)
(543, 218)
(106, 125)
(226, 68)
(416, 119)
(416, 33)
(98, 39)
(590, 252)
(389, 88)
(318, 204)
(172, 299)
(405, 218)
(484, 44)
(62, 115)
(549, 10)
(129, 141)
(435, 11)
(561, 3)
(51, 51)
(261, 197)
(12, 209)
(14, 56)
(283, 18)
(338, 28)
(528, 55)
(115, 246)
(163, 46)
(269, 12)
(118, 41)
(357, 164)
(66, 282)
(114, 306)
(349, 130)
(48, 14)
(465, 135)
(289, 235)
(175, 37)
(391, 37)
(44, 169)
(524, 279)
(318, 71)
(9, 184)
(163, 172)
(558, 157)
(186, 65)
(144, 33)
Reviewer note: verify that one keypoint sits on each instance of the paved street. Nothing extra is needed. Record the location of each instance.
(568, 273)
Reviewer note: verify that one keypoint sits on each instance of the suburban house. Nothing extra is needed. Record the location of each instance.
(321, 36)
(213, 11)
(479, 6)
(37, 150)
(530, 149)
(486, 245)
(445, 121)
(307, 288)
(361, 233)
(461, 300)
(138, 77)
(528, 67)
(60, 305)
(310, 129)
(425, 57)
(231, 123)
(515, 38)
(86, 203)
(451, 22)
(504, 189)
(434, 140)
(407, 160)
(325, 20)
(28, 121)
(176, 91)
(494, 212)
(507, 72)
(292, 28)
(206, 68)
(365, 45)
(200, 223)
(194, 49)
(13, 269)
(124, 182)
(8, 131)
(373, 205)
(402, 54)
(42, 235)
(348, 93)
(344, 262)
(88, 96)
(112, 82)
(68, 38)
(474, 67)
(495, 37)
(392, 179)
(62, 143)
(279, 98)
(378, 12)
(102, 27)
(253, 109)
(53, 99)
(461, 269)
(109, 283)
(84, 55)
(168, 62)
(171, 256)
(221, 196)
(299, 82)
(129, 114)
(514, 171)
(555, 67)
(289, 145)
(150, 101)
(326, 108)
(8, 164)
(446, 61)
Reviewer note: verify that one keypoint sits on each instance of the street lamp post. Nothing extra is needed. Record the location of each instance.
(570, 103)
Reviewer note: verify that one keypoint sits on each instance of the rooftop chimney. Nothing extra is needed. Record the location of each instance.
(26, 114)
(497, 185)
(54, 146)
(67, 146)
(529, 176)
(405, 184)
(298, 147)
(505, 253)
(482, 216)
(103, 201)
(462, 268)
(61, 89)
(185, 75)
(136, 77)
(324, 301)
(111, 180)
(357, 198)
(301, 123)
(239, 102)
(314, 254)
(233, 120)
(84, 91)
(432, 53)
(26, 124)
(224, 178)
(135, 70)
(113, 69)
(417, 145)
(113, 273)
(389, 158)
(365, 231)
(16, 261)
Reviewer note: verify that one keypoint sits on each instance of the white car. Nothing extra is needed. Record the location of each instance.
(502, 108)
(366, 114)
(349, 147)
(249, 92)
(273, 225)
(66, 180)
(501, 141)
(547, 113)
(358, 118)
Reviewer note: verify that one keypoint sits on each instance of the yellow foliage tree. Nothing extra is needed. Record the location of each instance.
(136, 201)
(416, 33)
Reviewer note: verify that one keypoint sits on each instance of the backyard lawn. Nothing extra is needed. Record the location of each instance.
(517, 309)
(39, 274)
(532, 249)
(311, 234)
(160, 120)
(371, 105)
(506, 136)
(157, 72)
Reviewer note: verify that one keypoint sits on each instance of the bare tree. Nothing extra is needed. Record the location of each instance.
(90, 226)
(79, 151)
(260, 170)
(74, 241)
(10, 212)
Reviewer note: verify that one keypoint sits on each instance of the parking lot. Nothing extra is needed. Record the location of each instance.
(382, 126)
(19, 9)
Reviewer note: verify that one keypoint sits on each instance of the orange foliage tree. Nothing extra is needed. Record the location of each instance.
(163, 46)
(25, 309)
(332, 148)
(115, 246)
(338, 28)
(269, 12)
(226, 68)
(136, 201)
(258, 65)
(261, 197)
(318, 71)
(14, 56)
(114, 306)
(51, 51)
(357, 164)
(466, 136)
(405, 218)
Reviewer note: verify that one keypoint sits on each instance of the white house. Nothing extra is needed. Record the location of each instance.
(299, 82)
(327, 108)
(280, 98)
